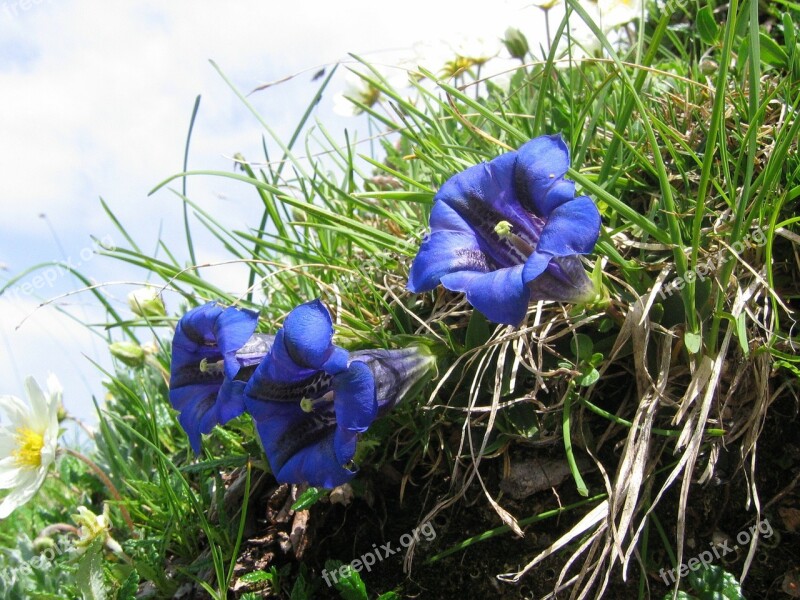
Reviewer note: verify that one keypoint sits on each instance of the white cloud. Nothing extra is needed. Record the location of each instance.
(95, 100)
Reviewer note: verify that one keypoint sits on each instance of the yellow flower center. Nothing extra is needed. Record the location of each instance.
(29, 448)
(211, 367)
(503, 228)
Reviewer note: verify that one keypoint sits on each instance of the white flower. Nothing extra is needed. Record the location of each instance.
(28, 443)
(614, 13)
(357, 88)
(477, 49)
(608, 15)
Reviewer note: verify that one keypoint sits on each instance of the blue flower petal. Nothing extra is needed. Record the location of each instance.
(483, 196)
(561, 192)
(193, 341)
(444, 218)
(344, 446)
(196, 328)
(279, 366)
(308, 331)
(230, 400)
(337, 361)
(181, 397)
(500, 295)
(321, 465)
(398, 373)
(355, 400)
(444, 252)
(232, 329)
(542, 163)
(565, 280)
(204, 337)
(192, 414)
(306, 447)
(280, 379)
(573, 228)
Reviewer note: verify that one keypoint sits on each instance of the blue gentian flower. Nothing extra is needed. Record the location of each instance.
(510, 231)
(212, 347)
(310, 399)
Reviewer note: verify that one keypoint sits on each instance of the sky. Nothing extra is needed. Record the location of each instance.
(95, 102)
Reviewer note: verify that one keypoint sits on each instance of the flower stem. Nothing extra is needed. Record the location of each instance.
(107, 482)
(57, 528)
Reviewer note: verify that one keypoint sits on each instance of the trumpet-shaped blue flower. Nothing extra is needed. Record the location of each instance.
(310, 398)
(510, 231)
(211, 348)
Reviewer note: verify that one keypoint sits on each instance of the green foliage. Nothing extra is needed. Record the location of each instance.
(710, 582)
(348, 583)
(308, 498)
(89, 575)
(687, 139)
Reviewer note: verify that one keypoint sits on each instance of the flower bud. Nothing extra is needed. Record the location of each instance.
(91, 527)
(516, 43)
(145, 302)
(42, 543)
(128, 353)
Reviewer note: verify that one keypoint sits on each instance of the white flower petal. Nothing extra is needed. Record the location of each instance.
(40, 408)
(614, 13)
(8, 441)
(30, 483)
(18, 414)
(343, 107)
(49, 452)
(10, 473)
(54, 392)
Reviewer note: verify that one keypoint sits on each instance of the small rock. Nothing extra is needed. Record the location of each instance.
(342, 494)
(528, 477)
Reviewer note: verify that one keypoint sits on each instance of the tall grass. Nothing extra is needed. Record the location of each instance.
(687, 140)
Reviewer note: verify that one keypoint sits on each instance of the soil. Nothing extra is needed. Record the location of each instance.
(377, 516)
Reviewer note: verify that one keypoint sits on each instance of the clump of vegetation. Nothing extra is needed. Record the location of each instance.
(595, 449)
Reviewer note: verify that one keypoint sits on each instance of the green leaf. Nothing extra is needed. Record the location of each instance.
(350, 585)
(257, 577)
(787, 365)
(588, 377)
(308, 498)
(130, 587)
(478, 330)
(789, 33)
(714, 583)
(605, 326)
(693, 342)
(741, 334)
(596, 359)
(681, 596)
(389, 596)
(707, 26)
(89, 576)
(581, 346)
(302, 589)
(771, 52)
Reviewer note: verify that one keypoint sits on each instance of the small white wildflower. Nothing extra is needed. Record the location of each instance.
(28, 443)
